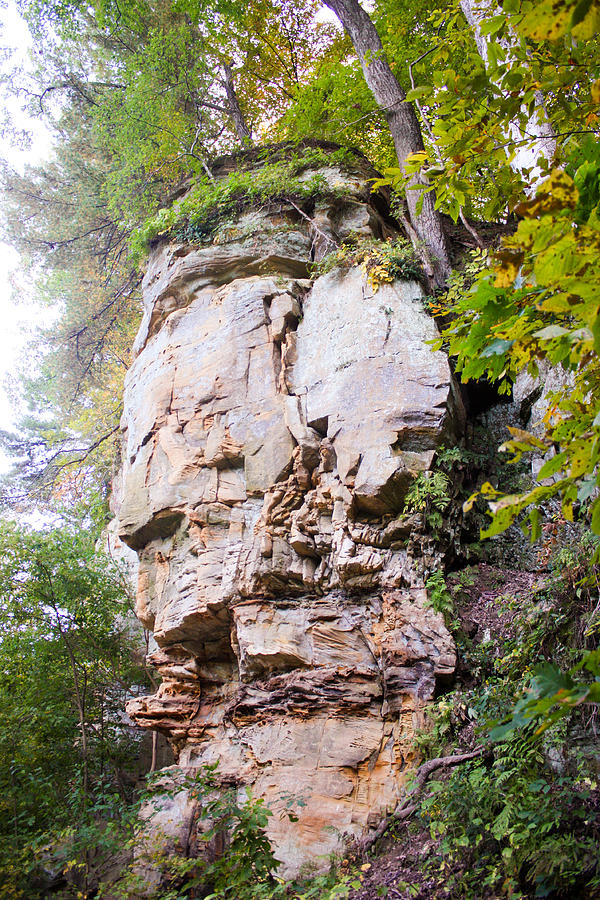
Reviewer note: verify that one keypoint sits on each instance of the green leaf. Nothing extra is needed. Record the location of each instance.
(496, 348)
(586, 489)
(551, 466)
(418, 92)
(595, 523)
(493, 25)
(535, 519)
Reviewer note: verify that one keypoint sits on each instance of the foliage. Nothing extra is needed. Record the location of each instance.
(552, 694)
(480, 112)
(429, 493)
(335, 102)
(538, 307)
(534, 303)
(557, 687)
(337, 105)
(382, 263)
(460, 282)
(66, 666)
(210, 201)
(246, 866)
(231, 855)
(163, 98)
(510, 829)
(142, 111)
(522, 821)
(136, 100)
(439, 597)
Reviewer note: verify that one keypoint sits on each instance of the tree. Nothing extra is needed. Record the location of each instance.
(66, 666)
(534, 304)
(139, 99)
(425, 223)
(534, 140)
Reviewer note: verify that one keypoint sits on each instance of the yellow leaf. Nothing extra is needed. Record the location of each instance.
(468, 504)
(527, 438)
(546, 21)
(589, 26)
(488, 490)
(595, 91)
(556, 192)
(567, 510)
(507, 265)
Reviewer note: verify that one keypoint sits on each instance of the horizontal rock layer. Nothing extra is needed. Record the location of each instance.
(272, 428)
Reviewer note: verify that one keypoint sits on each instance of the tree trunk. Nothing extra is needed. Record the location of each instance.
(404, 126)
(235, 111)
(154, 750)
(406, 807)
(80, 699)
(537, 141)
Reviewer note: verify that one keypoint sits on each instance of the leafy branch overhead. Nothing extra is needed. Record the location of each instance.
(533, 305)
(536, 306)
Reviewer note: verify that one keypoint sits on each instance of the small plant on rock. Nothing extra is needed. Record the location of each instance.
(430, 494)
(439, 597)
(382, 261)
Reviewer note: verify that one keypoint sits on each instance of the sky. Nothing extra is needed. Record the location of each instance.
(18, 314)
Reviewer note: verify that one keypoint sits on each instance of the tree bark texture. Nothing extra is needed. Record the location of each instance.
(235, 111)
(404, 127)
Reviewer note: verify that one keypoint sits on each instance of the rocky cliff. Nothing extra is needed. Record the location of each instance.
(272, 428)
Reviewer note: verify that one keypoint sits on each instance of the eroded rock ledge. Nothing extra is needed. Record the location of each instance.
(272, 427)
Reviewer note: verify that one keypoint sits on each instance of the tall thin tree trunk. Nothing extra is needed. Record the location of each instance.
(80, 699)
(235, 111)
(404, 126)
(154, 750)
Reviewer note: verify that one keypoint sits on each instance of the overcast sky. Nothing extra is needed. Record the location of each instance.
(18, 315)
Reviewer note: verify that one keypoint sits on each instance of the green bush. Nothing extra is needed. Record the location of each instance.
(513, 828)
(381, 261)
(429, 494)
(439, 597)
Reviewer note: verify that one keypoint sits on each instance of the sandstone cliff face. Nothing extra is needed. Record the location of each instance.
(272, 427)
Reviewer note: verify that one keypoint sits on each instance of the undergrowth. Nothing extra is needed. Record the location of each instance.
(382, 262)
(511, 827)
(523, 820)
(215, 200)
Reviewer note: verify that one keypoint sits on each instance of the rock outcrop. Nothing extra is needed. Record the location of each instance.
(272, 428)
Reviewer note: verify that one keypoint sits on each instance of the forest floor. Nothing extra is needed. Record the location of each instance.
(491, 605)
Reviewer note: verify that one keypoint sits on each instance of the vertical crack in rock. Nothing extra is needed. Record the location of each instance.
(272, 429)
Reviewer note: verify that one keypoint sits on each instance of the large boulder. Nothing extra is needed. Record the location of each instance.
(272, 428)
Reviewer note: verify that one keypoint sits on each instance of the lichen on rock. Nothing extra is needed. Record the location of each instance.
(272, 428)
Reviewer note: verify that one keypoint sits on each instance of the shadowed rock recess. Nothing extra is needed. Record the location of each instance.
(272, 426)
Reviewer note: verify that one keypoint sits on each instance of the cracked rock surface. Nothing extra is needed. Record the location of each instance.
(272, 427)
